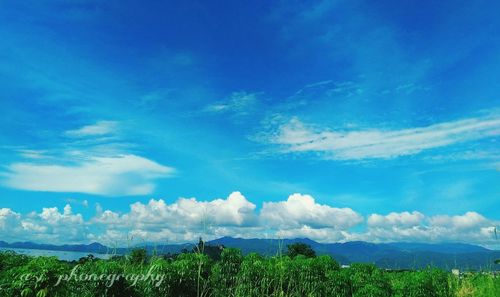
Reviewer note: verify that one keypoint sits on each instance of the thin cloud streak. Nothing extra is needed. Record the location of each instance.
(98, 129)
(295, 136)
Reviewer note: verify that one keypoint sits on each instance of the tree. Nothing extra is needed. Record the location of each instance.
(213, 252)
(89, 257)
(497, 261)
(138, 256)
(300, 248)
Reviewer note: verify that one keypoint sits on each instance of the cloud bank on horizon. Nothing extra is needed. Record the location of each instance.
(186, 219)
(388, 114)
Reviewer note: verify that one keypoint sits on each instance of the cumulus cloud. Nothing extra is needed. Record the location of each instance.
(295, 136)
(470, 227)
(403, 219)
(50, 225)
(185, 213)
(185, 219)
(469, 220)
(299, 210)
(117, 175)
(8, 218)
(318, 234)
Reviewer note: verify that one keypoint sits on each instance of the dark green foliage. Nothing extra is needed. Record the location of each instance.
(35, 278)
(191, 273)
(10, 259)
(300, 248)
(424, 283)
(138, 256)
(310, 275)
(102, 287)
(224, 274)
(338, 283)
(497, 261)
(367, 280)
(195, 274)
(86, 259)
(253, 276)
(213, 252)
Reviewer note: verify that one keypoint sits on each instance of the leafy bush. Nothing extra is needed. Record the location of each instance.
(224, 274)
(138, 256)
(424, 283)
(367, 280)
(112, 285)
(299, 248)
(190, 274)
(37, 278)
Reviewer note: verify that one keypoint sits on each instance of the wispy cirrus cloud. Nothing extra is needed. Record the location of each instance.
(239, 103)
(100, 128)
(114, 176)
(295, 136)
(92, 161)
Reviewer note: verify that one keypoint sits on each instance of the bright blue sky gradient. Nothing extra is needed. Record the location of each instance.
(268, 98)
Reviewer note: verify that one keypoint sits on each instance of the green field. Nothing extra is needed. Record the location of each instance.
(231, 274)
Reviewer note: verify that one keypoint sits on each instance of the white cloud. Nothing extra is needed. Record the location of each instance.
(301, 210)
(296, 136)
(8, 218)
(238, 103)
(186, 213)
(49, 225)
(470, 227)
(299, 216)
(96, 162)
(404, 219)
(186, 219)
(469, 220)
(117, 175)
(320, 234)
(98, 129)
(32, 154)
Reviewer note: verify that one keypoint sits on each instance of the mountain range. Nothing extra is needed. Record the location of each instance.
(398, 255)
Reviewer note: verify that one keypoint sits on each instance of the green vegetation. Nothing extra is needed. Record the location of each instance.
(299, 248)
(230, 273)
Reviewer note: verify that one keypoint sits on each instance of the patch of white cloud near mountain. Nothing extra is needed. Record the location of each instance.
(186, 219)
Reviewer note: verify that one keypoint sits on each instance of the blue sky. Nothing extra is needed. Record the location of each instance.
(382, 118)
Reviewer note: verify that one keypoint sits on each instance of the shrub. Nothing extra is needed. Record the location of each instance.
(224, 275)
(138, 256)
(299, 248)
(425, 283)
(38, 277)
(190, 274)
(367, 280)
(113, 284)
